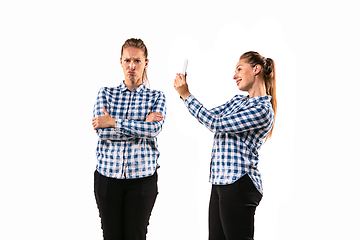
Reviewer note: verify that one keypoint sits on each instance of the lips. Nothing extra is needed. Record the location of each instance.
(131, 73)
(238, 81)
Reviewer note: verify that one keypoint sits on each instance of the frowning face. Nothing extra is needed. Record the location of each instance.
(133, 63)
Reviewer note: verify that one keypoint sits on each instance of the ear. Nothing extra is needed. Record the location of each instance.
(146, 62)
(121, 63)
(257, 69)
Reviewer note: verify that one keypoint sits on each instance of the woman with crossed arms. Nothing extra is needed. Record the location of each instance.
(241, 126)
(127, 119)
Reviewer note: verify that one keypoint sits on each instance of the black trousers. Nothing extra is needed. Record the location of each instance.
(125, 205)
(232, 210)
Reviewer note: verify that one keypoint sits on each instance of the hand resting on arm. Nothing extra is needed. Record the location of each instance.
(105, 121)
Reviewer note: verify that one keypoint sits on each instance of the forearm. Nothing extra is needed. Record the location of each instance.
(111, 134)
(115, 127)
(138, 129)
(148, 129)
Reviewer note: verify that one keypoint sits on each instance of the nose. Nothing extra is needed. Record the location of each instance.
(235, 76)
(132, 65)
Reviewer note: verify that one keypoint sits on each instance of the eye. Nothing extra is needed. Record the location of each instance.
(126, 60)
(137, 61)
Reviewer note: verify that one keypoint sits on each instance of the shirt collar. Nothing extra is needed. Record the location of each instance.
(124, 88)
(259, 99)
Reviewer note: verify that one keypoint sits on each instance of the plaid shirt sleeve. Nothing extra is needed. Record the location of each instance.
(141, 129)
(106, 133)
(218, 110)
(248, 119)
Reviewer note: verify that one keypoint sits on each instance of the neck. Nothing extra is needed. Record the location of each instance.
(257, 90)
(132, 84)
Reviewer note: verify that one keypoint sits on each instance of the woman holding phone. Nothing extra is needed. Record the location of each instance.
(127, 119)
(241, 126)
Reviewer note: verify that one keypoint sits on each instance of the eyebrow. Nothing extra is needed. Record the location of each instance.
(132, 58)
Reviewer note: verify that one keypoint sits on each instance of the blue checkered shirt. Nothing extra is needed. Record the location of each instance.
(240, 126)
(130, 149)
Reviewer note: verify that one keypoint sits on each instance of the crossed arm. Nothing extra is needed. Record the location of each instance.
(105, 127)
(108, 128)
(105, 121)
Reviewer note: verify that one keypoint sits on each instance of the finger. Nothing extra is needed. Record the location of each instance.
(152, 114)
(156, 116)
(157, 119)
(104, 109)
(156, 113)
(177, 81)
(181, 80)
(182, 77)
(95, 119)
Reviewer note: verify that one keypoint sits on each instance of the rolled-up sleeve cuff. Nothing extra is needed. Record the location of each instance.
(193, 105)
(188, 100)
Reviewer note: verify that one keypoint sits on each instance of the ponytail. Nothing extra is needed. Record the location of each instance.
(268, 70)
(270, 85)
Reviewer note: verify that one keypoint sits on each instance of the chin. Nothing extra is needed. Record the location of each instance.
(244, 88)
(241, 88)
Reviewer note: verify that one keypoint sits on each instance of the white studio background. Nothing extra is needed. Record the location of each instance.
(55, 55)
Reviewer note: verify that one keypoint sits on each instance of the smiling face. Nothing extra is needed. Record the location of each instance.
(133, 63)
(244, 75)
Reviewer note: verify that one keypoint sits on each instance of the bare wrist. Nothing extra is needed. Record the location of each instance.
(185, 95)
(112, 122)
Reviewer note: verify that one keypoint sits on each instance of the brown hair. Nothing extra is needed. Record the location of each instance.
(268, 71)
(138, 43)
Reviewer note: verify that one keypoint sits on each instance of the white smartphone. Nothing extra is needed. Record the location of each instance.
(185, 66)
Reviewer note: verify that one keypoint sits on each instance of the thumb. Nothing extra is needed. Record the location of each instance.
(106, 113)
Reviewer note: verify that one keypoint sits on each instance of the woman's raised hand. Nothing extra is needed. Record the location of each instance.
(181, 86)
